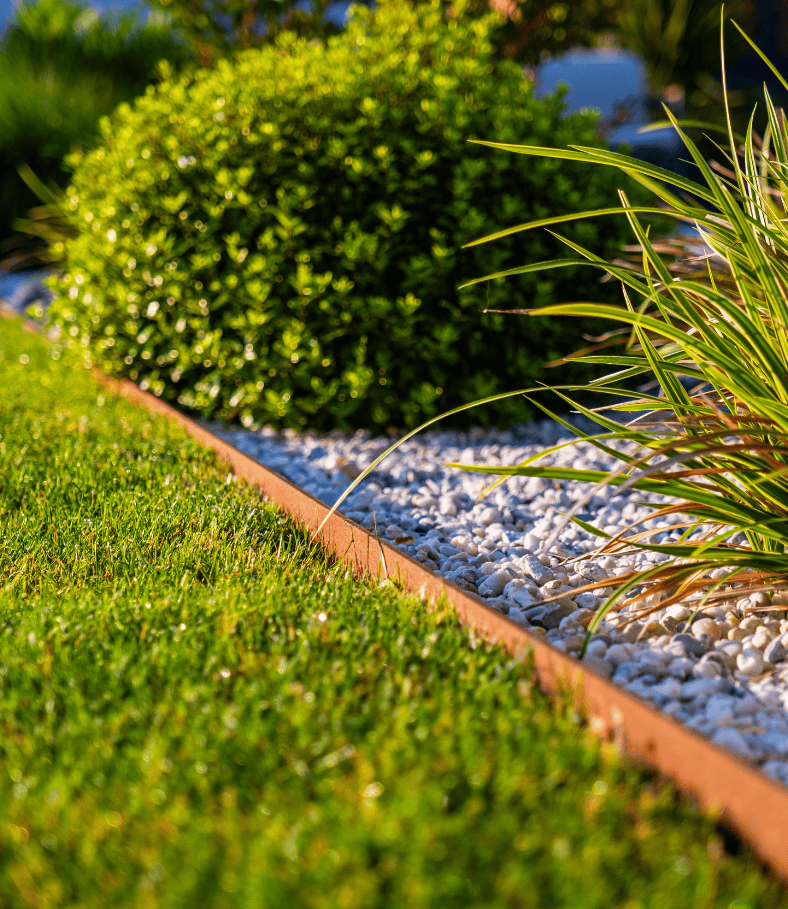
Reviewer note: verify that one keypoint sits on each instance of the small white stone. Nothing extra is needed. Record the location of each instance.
(707, 626)
(778, 770)
(680, 667)
(513, 586)
(728, 650)
(649, 657)
(583, 617)
(746, 706)
(671, 708)
(750, 624)
(750, 662)
(777, 649)
(629, 633)
(667, 690)
(494, 584)
(707, 669)
(761, 638)
(602, 667)
(586, 600)
(447, 505)
(720, 710)
(761, 599)
(733, 740)
(490, 516)
(732, 647)
(776, 741)
(574, 642)
(535, 568)
(597, 648)
(699, 690)
(522, 598)
(618, 653)
(591, 571)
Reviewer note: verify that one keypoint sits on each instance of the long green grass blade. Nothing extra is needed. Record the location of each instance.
(589, 155)
(761, 54)
(559, 219)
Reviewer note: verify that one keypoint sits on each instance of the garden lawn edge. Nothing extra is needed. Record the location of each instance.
(744, 799)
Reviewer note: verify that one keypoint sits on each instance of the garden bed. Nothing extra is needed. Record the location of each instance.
(199, 707)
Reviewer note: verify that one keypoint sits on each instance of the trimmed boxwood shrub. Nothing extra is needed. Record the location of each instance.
(278, 240)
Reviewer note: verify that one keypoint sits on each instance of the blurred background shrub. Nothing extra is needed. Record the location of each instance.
(217, 29)
(279, 239)
(679, 40)
(63, 67)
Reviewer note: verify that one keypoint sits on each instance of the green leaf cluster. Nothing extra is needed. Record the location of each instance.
(279, 239)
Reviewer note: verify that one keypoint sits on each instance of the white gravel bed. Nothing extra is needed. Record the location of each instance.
(725, 676)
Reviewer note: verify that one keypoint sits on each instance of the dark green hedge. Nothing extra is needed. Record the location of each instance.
(278, 240)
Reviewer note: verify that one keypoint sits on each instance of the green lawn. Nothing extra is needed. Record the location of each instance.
(197, 710)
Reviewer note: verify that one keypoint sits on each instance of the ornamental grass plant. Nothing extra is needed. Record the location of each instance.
(711, 331)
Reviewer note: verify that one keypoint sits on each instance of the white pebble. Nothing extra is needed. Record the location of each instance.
(586, 600)
(619, 653)
(597, 648)
(494, 584)
(750, 662)
(733, 740)
(522, 598)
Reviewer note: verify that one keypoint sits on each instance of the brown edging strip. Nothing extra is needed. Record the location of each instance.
(750, 803)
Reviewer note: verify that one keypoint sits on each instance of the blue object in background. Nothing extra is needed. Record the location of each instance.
(336, 12)
(9, 7)
(18, 290)
(614, 82)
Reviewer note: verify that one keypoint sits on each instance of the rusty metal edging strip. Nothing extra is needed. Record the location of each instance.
(749, 802)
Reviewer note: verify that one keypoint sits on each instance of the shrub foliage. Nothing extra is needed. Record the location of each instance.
(279, 239)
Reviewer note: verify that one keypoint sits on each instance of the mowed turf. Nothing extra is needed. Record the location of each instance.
(198, 710)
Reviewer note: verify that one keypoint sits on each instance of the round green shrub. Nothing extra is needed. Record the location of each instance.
(278, 240)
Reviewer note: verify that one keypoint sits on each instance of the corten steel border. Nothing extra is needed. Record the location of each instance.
(748, 801)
